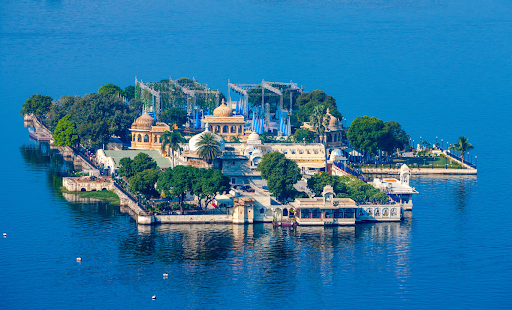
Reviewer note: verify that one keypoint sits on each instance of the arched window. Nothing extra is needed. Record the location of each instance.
(293, 151)
(233, 129)
(146, 138)
(308, 152)
(262, 210)
(285, 212)
(217, 128)
(301, 151)
(225, 129)
(316, 151)
(240, 130)
(138, 138)
(133, 138)
(160, 139)
(210, 128)
(154, 139)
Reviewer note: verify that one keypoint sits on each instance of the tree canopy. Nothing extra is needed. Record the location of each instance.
(110, 89)
(370, 134)
(204, 183)
(281, 174)
(367, 134)
(144, 182)
(174, 116)
(139, 163)
(307, 102)
(346, 187)
(208, 148)
(304, 135)
(97, 117)
(65, 133)
(461, 146)
(38, 105)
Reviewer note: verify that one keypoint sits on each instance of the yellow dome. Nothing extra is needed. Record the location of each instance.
(145, 121)
(223, 110)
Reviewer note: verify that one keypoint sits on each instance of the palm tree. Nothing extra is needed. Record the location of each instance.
(319, 123)
(461, 146)
(209, 147)
(172, 140)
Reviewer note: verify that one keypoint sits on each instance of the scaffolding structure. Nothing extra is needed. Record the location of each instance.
(273, 89)
(186, 94)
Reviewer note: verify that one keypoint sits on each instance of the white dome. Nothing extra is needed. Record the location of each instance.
(192, 144)
(335, 154)
(254, 138)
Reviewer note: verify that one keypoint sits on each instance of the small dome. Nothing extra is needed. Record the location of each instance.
(333, 121)
(335, 154)
(192, 144)
(223, 110)
(254, 138)
(145, 121)
(405, 169)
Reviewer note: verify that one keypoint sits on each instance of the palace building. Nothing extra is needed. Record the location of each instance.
(224, 123)
(333, 135)
(146, 133)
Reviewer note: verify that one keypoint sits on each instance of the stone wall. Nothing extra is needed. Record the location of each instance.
(421, 171)
(193, 219)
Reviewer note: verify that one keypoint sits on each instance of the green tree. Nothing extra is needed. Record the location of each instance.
(110, 89)
(38, 105)
(173, 116)
(209, 147)
(125, 167)
(65, 133)
(306, 103)
(97, 117)
(281, 174)
(141, 162)
(461, 146)
(304, 135)
(367, 134)
(129, 92)
(172, 141)
(210, 183)
(396, 137)
(182, 179)
(144, 182)
(318, 181)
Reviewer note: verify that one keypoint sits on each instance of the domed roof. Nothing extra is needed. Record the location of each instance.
(334, 154)
(223, 110)
(145, 121)
(254, 138)
(333, 121)
(192, 143)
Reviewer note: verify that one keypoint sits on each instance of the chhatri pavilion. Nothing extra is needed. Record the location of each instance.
(146, 133)
(224, 123)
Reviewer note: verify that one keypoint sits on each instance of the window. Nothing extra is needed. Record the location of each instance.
(210, 128)
(349, 213)
(262, 210)
(285, 212)
(305, 213)
(240, 129)
(146, 138)
(160, 139)
(338, 214)
(328, 214)
(139, 138)
(154, 139)
(233, 129)
(316, 213)
(225, 129)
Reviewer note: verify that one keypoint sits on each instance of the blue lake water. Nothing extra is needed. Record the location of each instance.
(439, 68)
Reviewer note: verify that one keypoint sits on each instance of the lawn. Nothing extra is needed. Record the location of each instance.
(422, 162)
(109, 196)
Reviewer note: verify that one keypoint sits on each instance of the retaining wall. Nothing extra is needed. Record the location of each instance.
(421, 171)
(193, 219)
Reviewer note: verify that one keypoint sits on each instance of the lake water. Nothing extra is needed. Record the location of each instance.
(439, 68)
